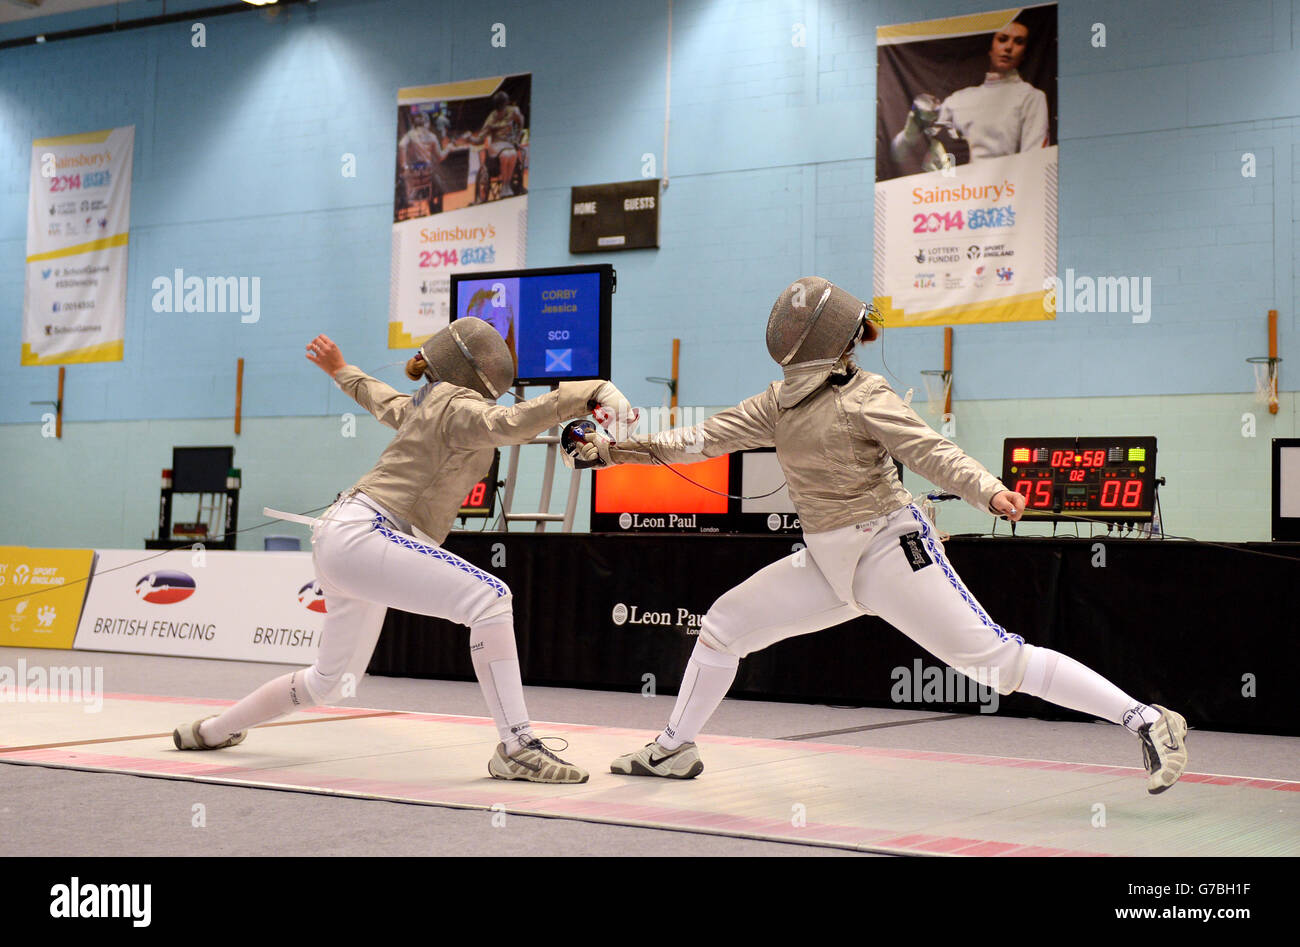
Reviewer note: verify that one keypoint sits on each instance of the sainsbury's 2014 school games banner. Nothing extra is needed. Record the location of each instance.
(459, 203)
(78, 220)
(243, 606)
(966, 156)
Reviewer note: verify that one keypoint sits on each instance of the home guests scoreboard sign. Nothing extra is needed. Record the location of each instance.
(622, 216)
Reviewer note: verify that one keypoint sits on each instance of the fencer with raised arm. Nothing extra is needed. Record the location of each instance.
(380, 544)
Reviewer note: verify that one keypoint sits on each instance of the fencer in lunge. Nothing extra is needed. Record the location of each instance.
(367, 556)
(870, 549)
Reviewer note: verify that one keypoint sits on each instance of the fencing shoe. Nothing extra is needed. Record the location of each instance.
(653, 760)
(1164, 749)
(535, 763)
(187, 737)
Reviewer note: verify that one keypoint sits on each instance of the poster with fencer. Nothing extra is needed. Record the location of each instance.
(966, 168)
(460, 194)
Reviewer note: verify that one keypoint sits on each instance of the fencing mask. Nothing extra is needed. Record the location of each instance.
(471, 354)
(811, 325)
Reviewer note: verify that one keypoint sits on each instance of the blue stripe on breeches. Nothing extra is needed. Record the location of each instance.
(928, 538)
(406, 542)
(1009, 677)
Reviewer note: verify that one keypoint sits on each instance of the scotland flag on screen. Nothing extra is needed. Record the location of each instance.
(559, 360)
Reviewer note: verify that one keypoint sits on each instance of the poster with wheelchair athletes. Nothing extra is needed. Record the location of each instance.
(459, 201)
(966, 158)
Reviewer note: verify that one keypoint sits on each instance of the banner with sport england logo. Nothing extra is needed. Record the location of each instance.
(41, 593)
(459, 194)
(966, 168)
(246, 606)
(78, 222)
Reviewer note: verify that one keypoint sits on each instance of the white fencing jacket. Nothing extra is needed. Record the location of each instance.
(836, 446)
(445, 438)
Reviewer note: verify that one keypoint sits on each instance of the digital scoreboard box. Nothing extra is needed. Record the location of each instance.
(556, 321)
(644, 498)
(480, 502)
(1079, 478)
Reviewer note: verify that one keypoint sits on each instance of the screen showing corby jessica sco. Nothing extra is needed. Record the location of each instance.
(551, 323)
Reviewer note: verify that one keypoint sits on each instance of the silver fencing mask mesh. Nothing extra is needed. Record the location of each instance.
(471, 354)
(812, 322)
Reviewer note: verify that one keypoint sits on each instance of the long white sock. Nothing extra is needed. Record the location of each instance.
(496, 665)
(273, 699)
(1065, 682)
(708, 677)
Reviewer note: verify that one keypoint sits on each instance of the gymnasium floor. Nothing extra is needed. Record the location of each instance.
(891, 780)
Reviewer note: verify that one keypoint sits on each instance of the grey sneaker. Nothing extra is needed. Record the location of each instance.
(535, 763)
(653, 760)
(1164, 749)
(186, 737)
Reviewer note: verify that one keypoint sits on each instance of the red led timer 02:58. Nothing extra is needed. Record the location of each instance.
(1071, 478)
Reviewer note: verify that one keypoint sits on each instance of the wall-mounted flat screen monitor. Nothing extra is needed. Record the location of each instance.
(638, 498)
(555, 321)
(201, 469)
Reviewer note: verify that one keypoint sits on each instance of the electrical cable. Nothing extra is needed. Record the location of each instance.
(127, 565)
(730, 496)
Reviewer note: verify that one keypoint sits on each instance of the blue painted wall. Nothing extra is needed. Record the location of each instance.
(239, 146)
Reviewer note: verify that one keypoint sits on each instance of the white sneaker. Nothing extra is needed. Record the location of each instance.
(186, 737)
(535, 763)
(653, 760)
(1164, 749)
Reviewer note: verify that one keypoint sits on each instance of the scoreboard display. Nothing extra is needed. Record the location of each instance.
(1073, 478)
(622, 216)
(481, 499)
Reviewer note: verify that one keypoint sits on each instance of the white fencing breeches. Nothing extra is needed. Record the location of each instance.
(366, 560)
(893, 566)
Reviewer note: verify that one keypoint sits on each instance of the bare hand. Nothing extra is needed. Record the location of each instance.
(323, 352)
(1010, 504)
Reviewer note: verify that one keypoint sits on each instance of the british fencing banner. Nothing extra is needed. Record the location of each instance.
(78, 222)
(244, 606)
(460, 191)
(966, 161)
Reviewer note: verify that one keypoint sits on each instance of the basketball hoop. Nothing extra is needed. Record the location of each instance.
(938, 391)
(1266, 379)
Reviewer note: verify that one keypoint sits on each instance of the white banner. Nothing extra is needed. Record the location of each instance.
(245, 606)
(966, 161)
(459, 204)
(490, 237)
(78, 221)
(973, 245)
